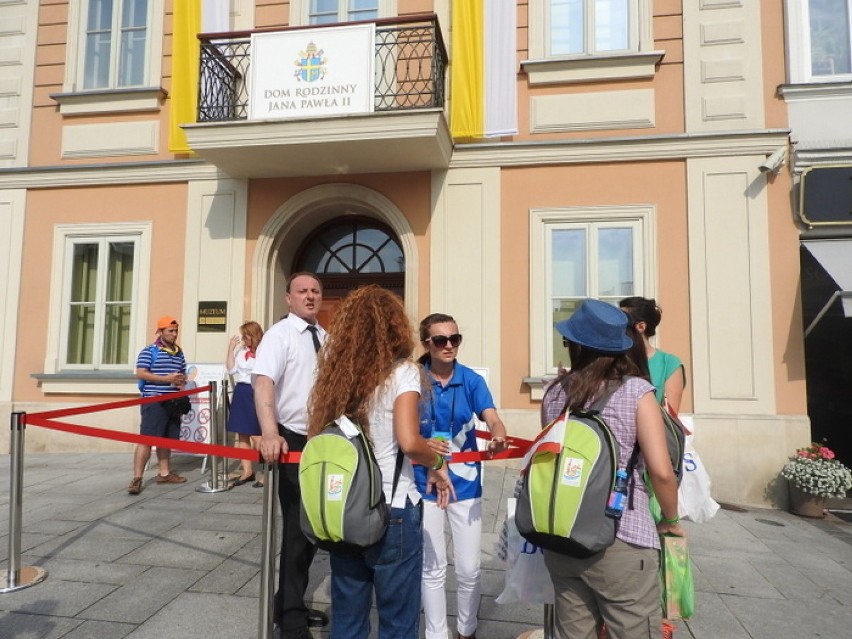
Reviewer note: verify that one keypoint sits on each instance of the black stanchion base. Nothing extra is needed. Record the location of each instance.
(27, 576)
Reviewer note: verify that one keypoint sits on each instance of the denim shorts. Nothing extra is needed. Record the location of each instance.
(156, 422)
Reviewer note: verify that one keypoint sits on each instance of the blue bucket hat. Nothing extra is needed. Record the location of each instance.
(599, 326)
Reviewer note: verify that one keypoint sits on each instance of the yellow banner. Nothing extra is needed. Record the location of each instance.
(185, 59)
(467, 113)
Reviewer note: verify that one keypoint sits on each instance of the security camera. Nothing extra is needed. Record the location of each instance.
(774, 162)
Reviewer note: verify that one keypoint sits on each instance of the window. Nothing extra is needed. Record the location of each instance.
(331, 11)
(588, 40)
(115, 43)
(304, 12)
(114, 57)
(578, 254)
(591, 26)
(828, 35)
(98, 302)
(98, 311)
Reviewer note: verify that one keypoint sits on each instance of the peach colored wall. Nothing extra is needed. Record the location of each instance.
(774, 69)
(661, 184)
(409, 192)
(164, 204)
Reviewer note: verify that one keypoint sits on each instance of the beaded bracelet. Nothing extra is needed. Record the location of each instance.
(671, 522)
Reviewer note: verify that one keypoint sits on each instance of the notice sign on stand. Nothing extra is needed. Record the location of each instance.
(195, 425)
(312, 73)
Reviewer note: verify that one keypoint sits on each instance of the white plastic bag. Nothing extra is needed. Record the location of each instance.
(527, 578)
(694, 500)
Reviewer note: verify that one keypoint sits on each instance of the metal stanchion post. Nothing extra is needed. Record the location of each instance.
(216, 484)
(17, 576)
(225, 408)
(549, 621)
(267, 557)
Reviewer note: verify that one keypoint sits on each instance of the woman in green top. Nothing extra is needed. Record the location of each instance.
(667, 372)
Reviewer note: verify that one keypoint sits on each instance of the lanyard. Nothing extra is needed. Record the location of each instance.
(452, 409)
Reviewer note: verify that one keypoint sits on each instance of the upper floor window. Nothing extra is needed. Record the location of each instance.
(829, 34)
(115, 43)
(589, 40)
(331, 11)
(591, 27)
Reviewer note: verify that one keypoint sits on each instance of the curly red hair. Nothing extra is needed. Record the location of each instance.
(368, 336)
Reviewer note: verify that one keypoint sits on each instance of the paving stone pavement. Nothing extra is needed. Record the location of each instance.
(178, 563)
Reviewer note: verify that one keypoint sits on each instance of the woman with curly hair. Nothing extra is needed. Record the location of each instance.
(366, 373)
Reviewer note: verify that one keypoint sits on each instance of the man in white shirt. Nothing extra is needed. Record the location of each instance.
(283, 376)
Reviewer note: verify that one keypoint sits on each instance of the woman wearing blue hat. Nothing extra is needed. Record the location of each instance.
(620, 585)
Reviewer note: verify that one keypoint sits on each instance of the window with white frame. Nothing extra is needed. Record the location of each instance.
(828, 37)
(331, 11)
(99, 294)
(99, 279)
(584, 40)
(591, 27)
(577, 254)
(115, 43)
(114, 56)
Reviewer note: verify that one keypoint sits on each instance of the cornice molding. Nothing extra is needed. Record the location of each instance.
(55, 177)
(632, 149)
(497, 154)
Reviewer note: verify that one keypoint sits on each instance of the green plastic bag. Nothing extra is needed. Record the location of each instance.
(676, 576)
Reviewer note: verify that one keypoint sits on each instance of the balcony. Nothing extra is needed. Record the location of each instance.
(400, 125)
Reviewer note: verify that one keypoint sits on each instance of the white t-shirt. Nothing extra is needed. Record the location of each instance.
(403, 379)
(286, 355)
(243, 367)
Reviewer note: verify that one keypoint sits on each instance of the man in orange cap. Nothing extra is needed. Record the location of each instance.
(161, 369)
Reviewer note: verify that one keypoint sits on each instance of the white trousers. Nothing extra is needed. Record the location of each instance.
(465, 519)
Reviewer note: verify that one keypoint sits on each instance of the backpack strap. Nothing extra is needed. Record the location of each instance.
(397, 471)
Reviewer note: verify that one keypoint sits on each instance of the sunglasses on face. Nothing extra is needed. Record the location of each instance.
(440, 341)
(565, 342)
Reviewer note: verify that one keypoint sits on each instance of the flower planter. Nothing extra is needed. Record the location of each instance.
(805, 504)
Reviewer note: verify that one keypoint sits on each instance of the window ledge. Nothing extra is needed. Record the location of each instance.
(537, 386)
(591, 68)
(811, 91)
(110, 100)
(89, 382)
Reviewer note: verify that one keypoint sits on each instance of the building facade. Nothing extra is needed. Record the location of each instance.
(630, 156)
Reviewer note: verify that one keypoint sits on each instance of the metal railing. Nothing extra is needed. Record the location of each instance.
(410, 68)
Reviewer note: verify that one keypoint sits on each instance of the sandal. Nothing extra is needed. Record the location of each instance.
(241, 481)
(258, 484)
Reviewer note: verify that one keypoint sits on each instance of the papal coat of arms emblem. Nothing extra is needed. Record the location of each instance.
(310, 65)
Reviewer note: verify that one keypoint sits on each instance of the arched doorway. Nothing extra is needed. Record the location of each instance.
(348, 252)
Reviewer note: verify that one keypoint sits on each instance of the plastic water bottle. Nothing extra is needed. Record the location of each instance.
(443, 435)
(618, 496)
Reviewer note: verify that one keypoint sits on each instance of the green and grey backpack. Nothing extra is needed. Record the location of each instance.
(343, 505)
(569, 473)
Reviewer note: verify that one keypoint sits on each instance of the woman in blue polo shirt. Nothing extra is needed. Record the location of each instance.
(455, 397)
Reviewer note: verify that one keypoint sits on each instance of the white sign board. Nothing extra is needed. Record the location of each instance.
(311, 73)
(195, 425)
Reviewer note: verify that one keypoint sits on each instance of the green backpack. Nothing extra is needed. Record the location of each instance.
(569, 473)
(343, 505)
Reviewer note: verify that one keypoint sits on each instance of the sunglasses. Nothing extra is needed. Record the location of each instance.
(440, 341)
(565, 342)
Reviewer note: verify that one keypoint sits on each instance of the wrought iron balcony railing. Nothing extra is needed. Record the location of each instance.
(410, 59)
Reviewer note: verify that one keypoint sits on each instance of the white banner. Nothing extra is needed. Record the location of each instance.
(311, 73)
